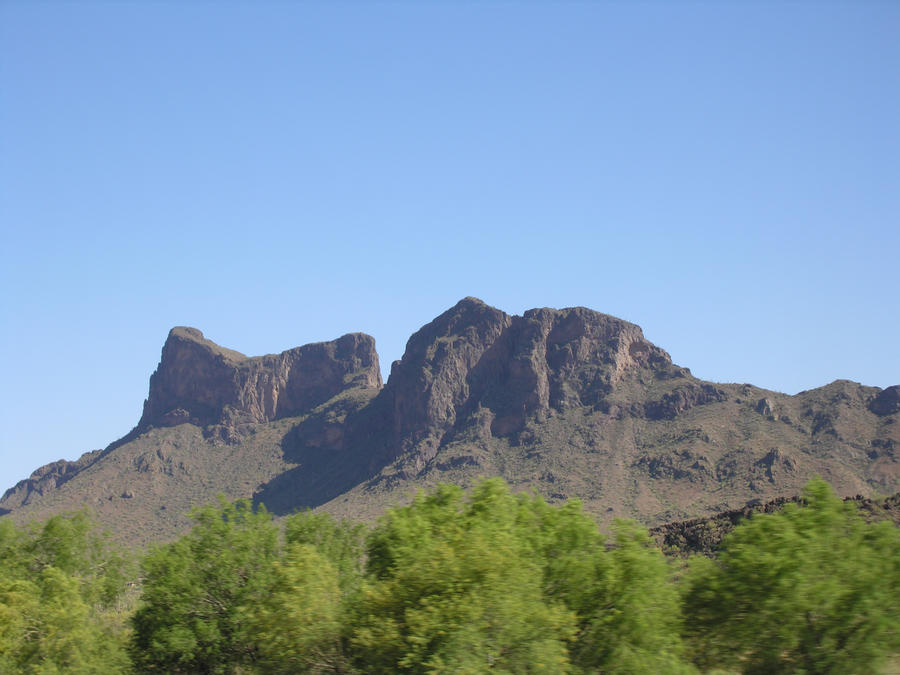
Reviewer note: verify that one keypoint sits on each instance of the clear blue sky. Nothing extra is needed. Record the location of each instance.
(726, 175)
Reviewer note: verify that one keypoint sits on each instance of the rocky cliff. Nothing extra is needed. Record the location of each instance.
(510, 369)
(201, 383)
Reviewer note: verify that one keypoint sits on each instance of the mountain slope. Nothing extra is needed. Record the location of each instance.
(214, 421)
(570, 403)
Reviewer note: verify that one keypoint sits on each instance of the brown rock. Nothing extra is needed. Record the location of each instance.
(46, 478)
(887, 402)
(683, 398)
(476, 357)
(430, 384)
(199, 382)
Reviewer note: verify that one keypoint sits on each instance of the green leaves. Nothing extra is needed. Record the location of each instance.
(59, 583)
(811, 589)
(297, 626)
(631, 618)
(197, 591)
(340, 543)
(454, 587)
(456, 582)
(506, 582)
(230, 596)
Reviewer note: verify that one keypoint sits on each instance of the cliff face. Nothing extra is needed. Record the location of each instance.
(430, 384)
(474, 358)
(204, 384)
(887, 402)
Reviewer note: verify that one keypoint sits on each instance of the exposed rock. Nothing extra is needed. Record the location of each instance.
(681, 466)
(887, 402)
(474, 357)
(705, 535)
(199, 382)
(776, 461)
(682, 399)
(46, 478)
(430, 383)
(558, 359)
(765, 407)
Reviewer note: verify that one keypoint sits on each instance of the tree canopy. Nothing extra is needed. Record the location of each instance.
(457, 581)
(60, 587)
(810, 589)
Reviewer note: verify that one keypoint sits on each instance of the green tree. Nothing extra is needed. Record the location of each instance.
(197, 591)
(341, 543)
(298, 625)
(629, 610)
(453, 589)
(59, 585)
(810, 589)
(622, 593)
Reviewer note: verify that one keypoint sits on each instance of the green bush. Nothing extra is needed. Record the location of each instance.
(810, 589)
(60, 585)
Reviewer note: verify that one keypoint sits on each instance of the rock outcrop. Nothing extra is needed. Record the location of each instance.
(431, 383)
(45, 479)
(887, 402)
(476, 358)
(705, 535)
(199, 382)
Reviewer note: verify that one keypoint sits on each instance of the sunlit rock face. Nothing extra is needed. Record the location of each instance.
(199, 382)
(476, 358)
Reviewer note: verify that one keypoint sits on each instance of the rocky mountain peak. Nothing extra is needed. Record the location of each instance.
(200, 382)
(431, 382)
(470, 320)
(475, 357)
(185, 337)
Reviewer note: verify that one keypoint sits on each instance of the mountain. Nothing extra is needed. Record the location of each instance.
(569, 402)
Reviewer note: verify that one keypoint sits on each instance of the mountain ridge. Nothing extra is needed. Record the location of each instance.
(568, 402)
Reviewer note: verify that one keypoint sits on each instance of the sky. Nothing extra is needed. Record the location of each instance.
(724, 174)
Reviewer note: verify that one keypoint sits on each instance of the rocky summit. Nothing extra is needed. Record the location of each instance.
(570, 403)
(198, 382)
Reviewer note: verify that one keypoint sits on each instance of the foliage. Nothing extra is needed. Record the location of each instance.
(511, 582)
(340, 543)
(627, 607)
(197, 590)
(298, 625)
(230, 597)
(630, 609)
(454, 582)
(453, 588)
(59, 588)
(810, 589)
